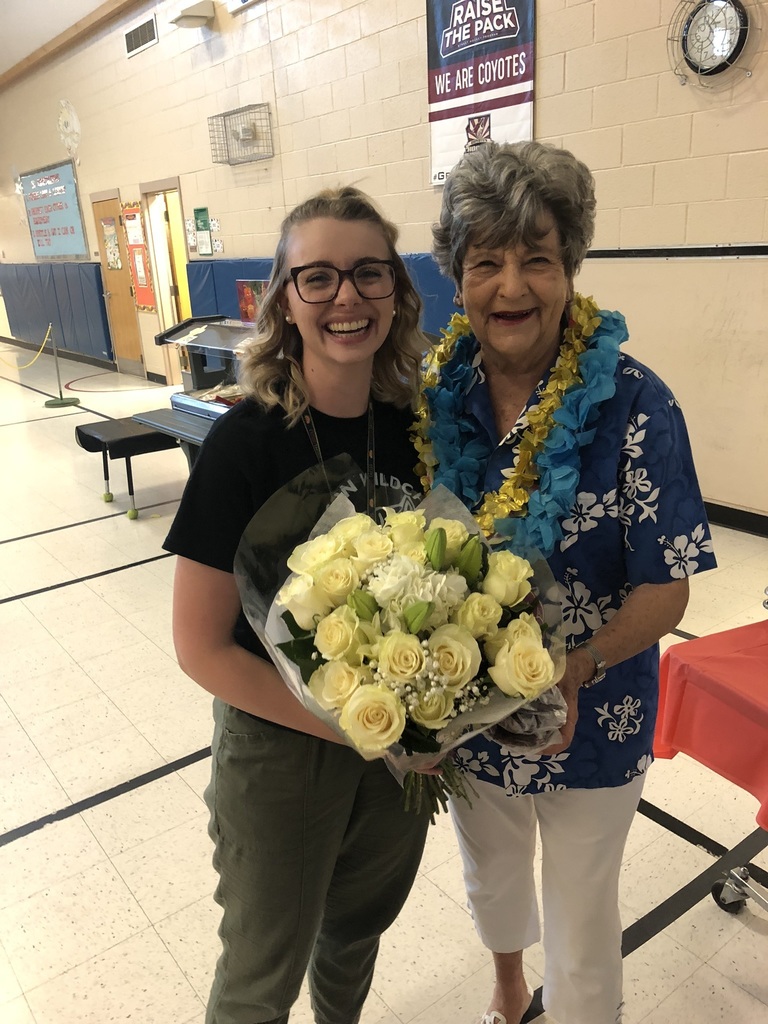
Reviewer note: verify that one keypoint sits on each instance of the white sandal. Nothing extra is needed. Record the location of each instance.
(494, 1017)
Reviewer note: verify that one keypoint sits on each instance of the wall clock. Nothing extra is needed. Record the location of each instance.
(707, 37)
(713, 36)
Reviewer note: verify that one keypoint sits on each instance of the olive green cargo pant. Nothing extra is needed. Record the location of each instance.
(315, 856)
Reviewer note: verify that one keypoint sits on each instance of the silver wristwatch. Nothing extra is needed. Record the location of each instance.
(600, 665)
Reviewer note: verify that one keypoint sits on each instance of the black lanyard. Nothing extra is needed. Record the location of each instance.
(370, 474)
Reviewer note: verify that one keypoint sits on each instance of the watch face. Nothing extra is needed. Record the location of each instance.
(714, 35)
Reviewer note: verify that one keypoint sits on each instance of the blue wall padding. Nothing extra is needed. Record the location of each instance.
(436, 291)
(202, 294)
(66, 295)
(91, 292)
(212, 286)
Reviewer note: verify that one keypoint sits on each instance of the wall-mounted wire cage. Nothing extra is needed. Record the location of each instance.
(241, 136)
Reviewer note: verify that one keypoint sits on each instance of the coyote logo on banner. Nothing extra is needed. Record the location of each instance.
(480, 59)
(478, 132)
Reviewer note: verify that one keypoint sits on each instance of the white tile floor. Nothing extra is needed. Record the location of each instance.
(106, 915)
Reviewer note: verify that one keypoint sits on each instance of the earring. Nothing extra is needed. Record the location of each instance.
(394, 312)
(288, 318)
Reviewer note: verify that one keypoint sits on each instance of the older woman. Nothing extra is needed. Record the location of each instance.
(559, 441)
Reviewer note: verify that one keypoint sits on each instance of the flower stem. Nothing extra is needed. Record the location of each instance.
(431, 792)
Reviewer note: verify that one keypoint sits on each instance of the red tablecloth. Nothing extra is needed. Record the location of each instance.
(713, 706)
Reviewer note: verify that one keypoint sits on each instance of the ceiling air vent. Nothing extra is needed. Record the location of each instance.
(140, 37)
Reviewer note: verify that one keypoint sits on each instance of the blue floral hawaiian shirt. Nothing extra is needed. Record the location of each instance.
(638, 518)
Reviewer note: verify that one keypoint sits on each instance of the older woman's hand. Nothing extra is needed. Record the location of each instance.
(579, 667)
(432, 767)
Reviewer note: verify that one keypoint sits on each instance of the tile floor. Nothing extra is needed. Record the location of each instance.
(106, 913)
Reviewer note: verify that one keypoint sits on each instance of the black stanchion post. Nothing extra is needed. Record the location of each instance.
(58, 403)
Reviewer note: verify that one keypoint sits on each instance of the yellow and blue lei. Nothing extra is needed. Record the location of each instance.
(541, 485)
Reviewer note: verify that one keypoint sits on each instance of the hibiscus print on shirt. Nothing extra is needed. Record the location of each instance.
(682, 554)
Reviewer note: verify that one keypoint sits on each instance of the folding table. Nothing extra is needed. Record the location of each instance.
(713, 706)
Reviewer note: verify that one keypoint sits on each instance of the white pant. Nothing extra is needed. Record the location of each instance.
(583, 833)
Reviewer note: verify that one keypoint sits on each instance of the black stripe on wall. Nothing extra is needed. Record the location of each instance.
(680, 252)
(737, 519)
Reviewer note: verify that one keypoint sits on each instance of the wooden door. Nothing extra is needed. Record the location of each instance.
(118, 291)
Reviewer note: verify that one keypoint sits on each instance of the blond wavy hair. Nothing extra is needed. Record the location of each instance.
(270, 367)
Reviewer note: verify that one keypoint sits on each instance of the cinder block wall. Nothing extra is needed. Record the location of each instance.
(346, 84)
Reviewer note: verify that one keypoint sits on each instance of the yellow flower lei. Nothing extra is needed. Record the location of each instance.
(513, 495)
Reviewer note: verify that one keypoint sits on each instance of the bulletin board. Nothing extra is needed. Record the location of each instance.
(138, 258)
(53, 212)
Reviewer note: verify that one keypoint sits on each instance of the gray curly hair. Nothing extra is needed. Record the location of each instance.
(270, 368)
(497, 196)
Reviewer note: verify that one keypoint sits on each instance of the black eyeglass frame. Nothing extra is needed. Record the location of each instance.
(343, 275)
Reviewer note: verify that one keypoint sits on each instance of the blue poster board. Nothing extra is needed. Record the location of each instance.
(53, 213)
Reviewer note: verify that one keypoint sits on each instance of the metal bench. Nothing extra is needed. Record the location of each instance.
(121, 439)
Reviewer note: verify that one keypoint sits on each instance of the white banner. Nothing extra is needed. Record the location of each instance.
(480, 61)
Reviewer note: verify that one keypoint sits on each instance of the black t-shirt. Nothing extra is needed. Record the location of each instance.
(249, 454)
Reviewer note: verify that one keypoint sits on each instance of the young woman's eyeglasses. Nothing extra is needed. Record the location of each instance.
(320, 282)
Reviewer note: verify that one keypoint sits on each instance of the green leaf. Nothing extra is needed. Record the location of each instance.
(436, 541)
(416, 614)
(300, 652)
(418, 740)
(363, 604)
(470, 559)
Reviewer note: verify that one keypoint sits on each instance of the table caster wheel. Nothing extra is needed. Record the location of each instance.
(107, 496)
(132, 513)
(732, 906)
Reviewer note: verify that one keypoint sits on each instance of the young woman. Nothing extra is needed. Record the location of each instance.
(314, 852)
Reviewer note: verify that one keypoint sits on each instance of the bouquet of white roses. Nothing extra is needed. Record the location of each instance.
(407, 637)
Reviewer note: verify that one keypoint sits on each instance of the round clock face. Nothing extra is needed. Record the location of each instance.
(714, 35)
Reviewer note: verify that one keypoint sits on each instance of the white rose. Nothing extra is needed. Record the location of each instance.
(456, 654)
(369, 548)
(406, 529)
(337, 579)
(524, 669)
(373, 718)
(525, 627)
(415, 549)
(507, 578)
(480, 614)
(433, 710)
(304, 600)
(313, 554)
(334, 683)
(455, 535)
(401, 656)
(339, 635)
(347, 530)
(414, 518)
